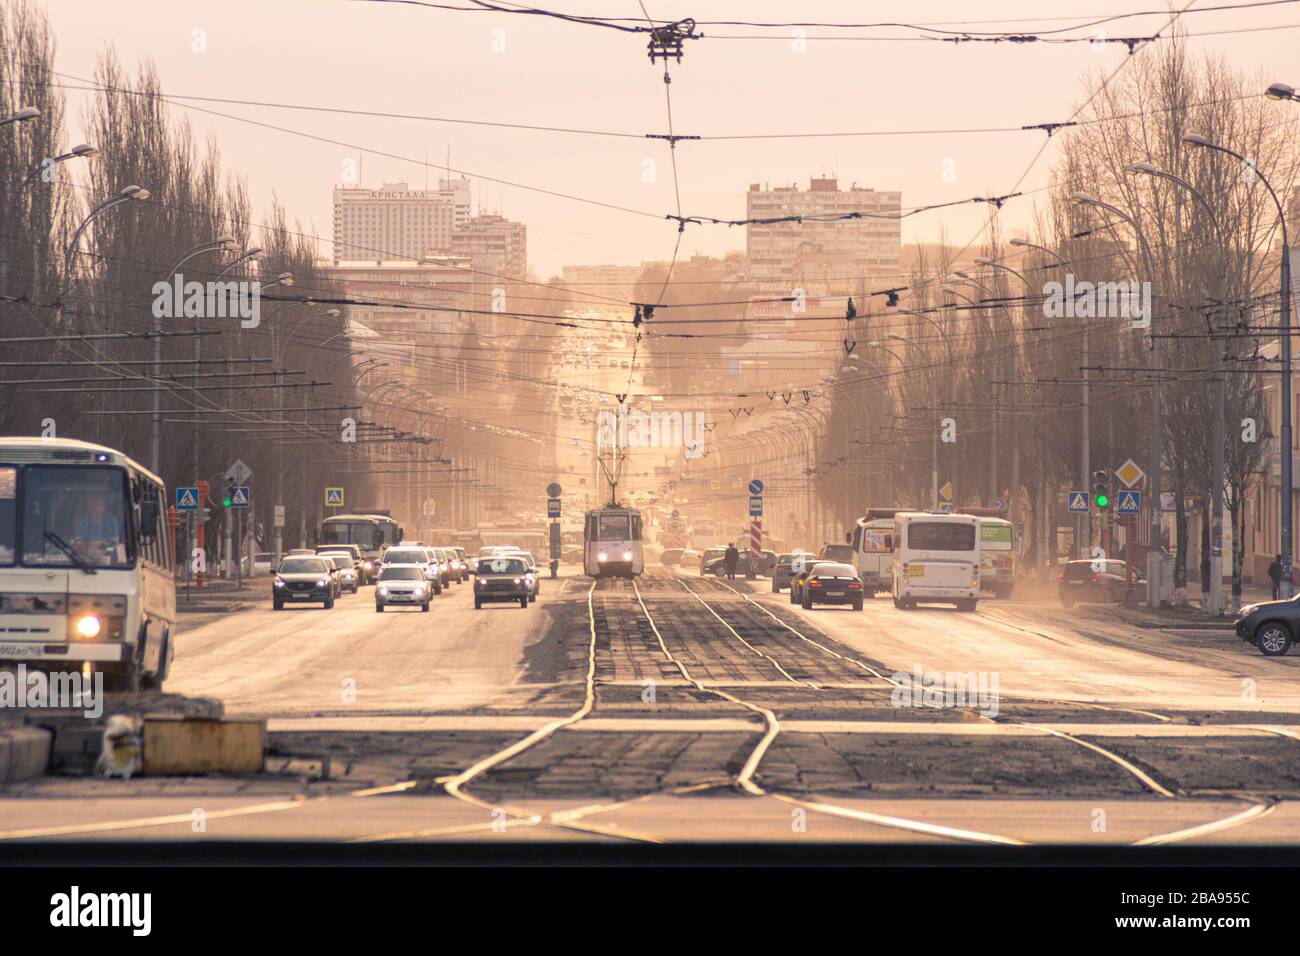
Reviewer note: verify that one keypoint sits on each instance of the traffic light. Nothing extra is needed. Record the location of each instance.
(229, 494)
(1101, 488)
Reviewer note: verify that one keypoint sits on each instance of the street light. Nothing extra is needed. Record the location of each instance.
(1215, 598)
(30, 113)
(1286, 506)
(125, 195)
(1281, 91)
(1154, 571)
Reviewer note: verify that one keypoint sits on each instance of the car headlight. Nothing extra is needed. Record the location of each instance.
(482, 580)
(519, 580)
(369, 565)
(1247, 609)
(419, 589)
(382, 589)
(279, 582)
(321, 582)
(528, 578)
(89, 626)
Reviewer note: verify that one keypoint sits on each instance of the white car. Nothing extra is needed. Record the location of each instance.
(402, 585)
(417, 556)
(346, 566)
(263, 563)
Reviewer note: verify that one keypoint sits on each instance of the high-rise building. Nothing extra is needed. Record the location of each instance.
(603, 282)
(823, 251)
(497, 247)
(397, 222)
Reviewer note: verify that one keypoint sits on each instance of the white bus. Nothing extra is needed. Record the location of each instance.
(86, 566)
(936, 559)
(873, 551)
(997, 557)
(612, 543)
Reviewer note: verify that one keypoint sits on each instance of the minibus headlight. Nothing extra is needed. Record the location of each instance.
(89, 626)
(97, 617)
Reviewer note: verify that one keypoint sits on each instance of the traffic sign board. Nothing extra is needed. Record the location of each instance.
(1078, 502)
(553, 490)
(946, 491)
(333, 496)
(239, 473)
(756, 486)
(552, 507)
(187, 499)
(1129, 473)
(241, 497)
(755, 506)
(1129, 503)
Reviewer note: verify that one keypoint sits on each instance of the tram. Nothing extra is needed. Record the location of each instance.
(611, 542)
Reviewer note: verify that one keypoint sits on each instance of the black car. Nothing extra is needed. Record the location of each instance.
(1099, 581)
(502, 578)
(402, 584)
(831, 583)
(783, 571)
(1270, 626)
(303, 579)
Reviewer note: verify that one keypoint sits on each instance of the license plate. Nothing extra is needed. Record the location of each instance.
(300, 597)
(20, 650)
(915, 570)
(835, 593)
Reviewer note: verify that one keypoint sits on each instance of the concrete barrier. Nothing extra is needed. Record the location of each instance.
(24, 753)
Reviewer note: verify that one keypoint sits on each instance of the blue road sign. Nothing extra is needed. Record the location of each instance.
(333, 496)
(756, 486)
(241, 497)
(1078, 502)
(1129, 503)
(552, 507)
(756, 506)
(187, 499)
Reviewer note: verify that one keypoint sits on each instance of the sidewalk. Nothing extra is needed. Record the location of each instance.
(219, 596)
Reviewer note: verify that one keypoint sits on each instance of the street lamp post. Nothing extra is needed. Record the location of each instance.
(1286, 508)
(126, 195)
(1213, 602)
(1154, 565)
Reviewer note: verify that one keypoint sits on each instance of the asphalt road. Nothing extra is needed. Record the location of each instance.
(681, 709)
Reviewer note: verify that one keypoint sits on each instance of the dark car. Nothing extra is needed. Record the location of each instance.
(502, 578)
(783, 571)
(302, 579)
(1270, 626)
(762, 567)
(841, 553)
(402, 584)
(832, 583)
(1098, 581)
(671, 557)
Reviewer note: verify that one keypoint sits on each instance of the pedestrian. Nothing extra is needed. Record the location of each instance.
(1275, 575)
(730, 560)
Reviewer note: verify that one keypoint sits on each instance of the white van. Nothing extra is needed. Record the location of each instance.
(873, 553)
(936, 559)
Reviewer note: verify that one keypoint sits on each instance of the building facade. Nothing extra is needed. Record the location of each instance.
(823, 250)
(397, 222)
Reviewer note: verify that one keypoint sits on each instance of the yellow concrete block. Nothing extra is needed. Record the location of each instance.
(180, 744)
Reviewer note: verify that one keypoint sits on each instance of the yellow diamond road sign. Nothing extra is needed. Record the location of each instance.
(946, 490)
(1129, 473)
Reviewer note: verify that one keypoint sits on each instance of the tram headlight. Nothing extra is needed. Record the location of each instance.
(602, 556)
(627, 555)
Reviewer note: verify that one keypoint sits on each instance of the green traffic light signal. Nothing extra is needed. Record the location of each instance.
(1103, 501)
(225, 502)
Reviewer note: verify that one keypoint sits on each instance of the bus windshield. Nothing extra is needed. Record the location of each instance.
(940, 536)
(81, 509)
(364, 533)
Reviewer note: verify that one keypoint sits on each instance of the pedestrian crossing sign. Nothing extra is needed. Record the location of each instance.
(187, 499)
(1078, 502)
(334, 496)
(241, 497)
(1129, 503)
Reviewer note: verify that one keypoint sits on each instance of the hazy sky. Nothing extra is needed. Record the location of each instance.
(406, 59)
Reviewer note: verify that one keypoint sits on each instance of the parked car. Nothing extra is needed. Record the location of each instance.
(708, 556)
(1270, 625)
(1098, 581)
(404, 585)
(832, 583)
(302, 579)
(263, 563)
(501, 577)
(346, 569)
(672, 557)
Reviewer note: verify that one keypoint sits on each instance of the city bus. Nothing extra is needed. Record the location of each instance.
(86, 563)
(612, 543)
(704, 533)
(997, 557)
(936, 559)
(533, 540)
(371, 533)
